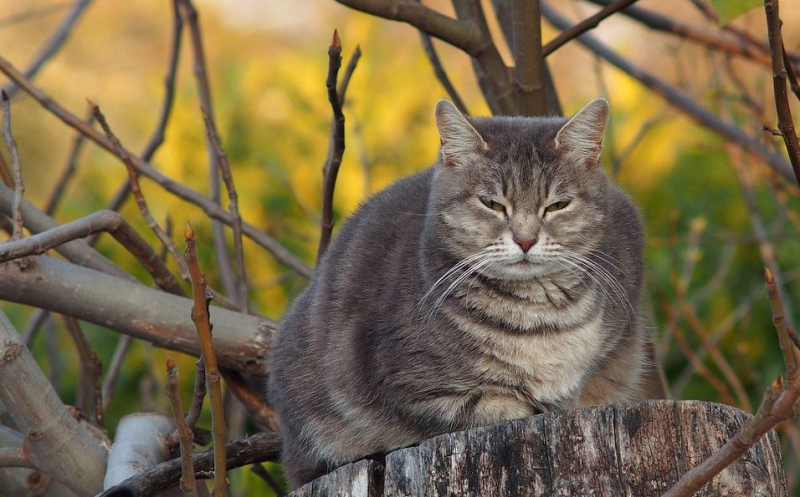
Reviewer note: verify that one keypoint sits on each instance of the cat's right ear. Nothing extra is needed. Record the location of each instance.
(460, 141)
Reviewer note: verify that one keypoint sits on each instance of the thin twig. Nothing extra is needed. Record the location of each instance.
(5, 173)
(336, 149)
(223, 259)
(200, 317)
(97, 393)
(791, 73)
(344, 83)
(233, 197)
(157, 138)
(86, 381)
(766, 248)
(710, 39)
(194, 197)
(712, 349)
(199, 394)
(33, 13)
(261, 471)
(137, 192)
(188, 483)
(441, 74)
(779, 404)
(52, 46)
(785, 123)
(112, 373)
(779, 320)
(692, 109)
(584, 26)
(19, 186)
(68, 172)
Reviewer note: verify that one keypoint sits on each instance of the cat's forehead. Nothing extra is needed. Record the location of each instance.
(518, 133)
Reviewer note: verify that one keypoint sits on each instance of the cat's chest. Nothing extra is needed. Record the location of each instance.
(519, 375)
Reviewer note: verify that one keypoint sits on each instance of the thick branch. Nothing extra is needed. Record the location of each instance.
(102, 221)
(242, 341)
(70, 451)
(528, 72)
(76, 251)
(461, 34)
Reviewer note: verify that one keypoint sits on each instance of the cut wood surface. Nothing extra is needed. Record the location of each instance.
(636, 450)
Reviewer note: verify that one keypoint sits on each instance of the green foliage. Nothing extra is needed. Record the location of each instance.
(728, 10)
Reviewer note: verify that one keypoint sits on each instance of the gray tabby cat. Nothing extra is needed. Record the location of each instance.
(500, 283)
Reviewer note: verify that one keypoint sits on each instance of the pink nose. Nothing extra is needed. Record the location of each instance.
(525, 245)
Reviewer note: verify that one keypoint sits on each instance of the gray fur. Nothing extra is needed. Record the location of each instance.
(427, 315)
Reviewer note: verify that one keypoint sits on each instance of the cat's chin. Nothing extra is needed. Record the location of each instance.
(521, 270)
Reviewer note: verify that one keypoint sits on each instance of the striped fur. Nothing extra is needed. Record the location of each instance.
(501, 283)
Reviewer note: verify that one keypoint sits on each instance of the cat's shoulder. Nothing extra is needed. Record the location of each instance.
(406, 195)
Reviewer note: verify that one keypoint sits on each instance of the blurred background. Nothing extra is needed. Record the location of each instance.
(267, 60)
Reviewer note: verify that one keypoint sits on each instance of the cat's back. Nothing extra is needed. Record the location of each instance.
(387, 219)
(370, 249)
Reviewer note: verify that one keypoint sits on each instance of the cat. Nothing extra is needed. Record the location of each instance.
(502, 282)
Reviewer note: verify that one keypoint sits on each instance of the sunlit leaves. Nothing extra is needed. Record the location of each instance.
(728, 10)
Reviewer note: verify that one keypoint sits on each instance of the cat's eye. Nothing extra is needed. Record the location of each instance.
(495, 206)
(557, 206)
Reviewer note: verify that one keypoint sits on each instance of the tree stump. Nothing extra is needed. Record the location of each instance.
(636, 449)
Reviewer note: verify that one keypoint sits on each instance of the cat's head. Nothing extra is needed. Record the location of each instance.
(527, 193)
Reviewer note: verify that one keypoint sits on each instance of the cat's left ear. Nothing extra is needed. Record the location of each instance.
(460, 140)
(582, 136)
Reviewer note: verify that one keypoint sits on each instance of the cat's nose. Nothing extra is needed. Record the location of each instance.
(525, 244)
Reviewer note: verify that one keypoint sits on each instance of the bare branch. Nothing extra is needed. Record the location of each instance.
(200, 317)
(336, 149)
(494, 77)
(585, 25)
(199, 394)
(227, 177)
(107, 221)
(185, 437)
(528, 75)
(785, 123)
(80, 459)
(711, 39)
(68, 172)
(348, 73)
(256, 448)
(725, 129)
(19, 186)
(242, 341)
(438, 70)
(86, 379)
(144, 168)
(52, 46)
(460, 34)
(112, 372)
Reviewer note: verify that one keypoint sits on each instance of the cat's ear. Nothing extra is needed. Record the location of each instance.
(460, 141)
(582, 136)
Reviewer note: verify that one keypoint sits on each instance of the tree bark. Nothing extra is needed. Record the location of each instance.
(625, 449)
